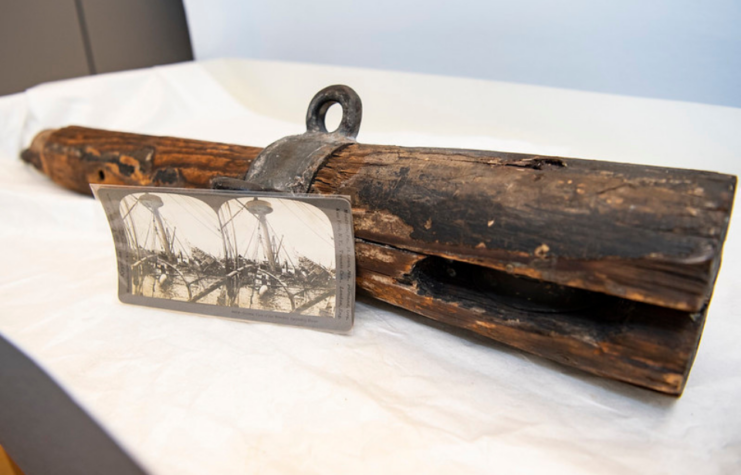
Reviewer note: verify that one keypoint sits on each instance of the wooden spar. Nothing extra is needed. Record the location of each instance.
(75, 157)
(642, 344)
(644, 233)
(641, 245)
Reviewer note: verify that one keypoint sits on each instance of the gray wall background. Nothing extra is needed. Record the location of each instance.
(45, 40)
(687, 50)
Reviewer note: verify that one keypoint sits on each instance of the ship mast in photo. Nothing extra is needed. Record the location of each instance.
(240, 260)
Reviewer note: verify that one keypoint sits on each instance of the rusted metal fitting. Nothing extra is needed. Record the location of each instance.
(290, 164)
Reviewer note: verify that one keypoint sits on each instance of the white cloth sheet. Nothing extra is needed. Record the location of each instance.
(188, 394)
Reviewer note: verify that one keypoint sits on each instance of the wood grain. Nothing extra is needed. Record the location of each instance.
(75, 157)
(607, 267)
(647, 234)
(642, 344)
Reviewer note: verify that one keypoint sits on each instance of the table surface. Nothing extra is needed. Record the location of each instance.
(192, 394)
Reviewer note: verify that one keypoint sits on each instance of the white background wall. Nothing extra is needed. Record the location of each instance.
(674, 49)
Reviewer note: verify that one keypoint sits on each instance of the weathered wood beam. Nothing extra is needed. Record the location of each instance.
(642, 344)
(647, 234)
(607, 267)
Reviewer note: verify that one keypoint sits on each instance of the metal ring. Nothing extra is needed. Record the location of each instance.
(352, 110)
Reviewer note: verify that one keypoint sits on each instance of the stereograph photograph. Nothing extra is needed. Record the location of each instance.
(259, 253)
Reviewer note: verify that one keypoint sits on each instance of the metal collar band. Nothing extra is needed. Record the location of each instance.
(290, 164)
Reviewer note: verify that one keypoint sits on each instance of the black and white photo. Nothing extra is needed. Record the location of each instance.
(257, 253)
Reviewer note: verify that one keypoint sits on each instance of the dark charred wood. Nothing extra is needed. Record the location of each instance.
(642, 344)
(607, 267)
(643, 233)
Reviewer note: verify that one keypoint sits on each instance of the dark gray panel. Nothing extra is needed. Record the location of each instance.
(43, 429)
(39, 41)
(128, 34)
